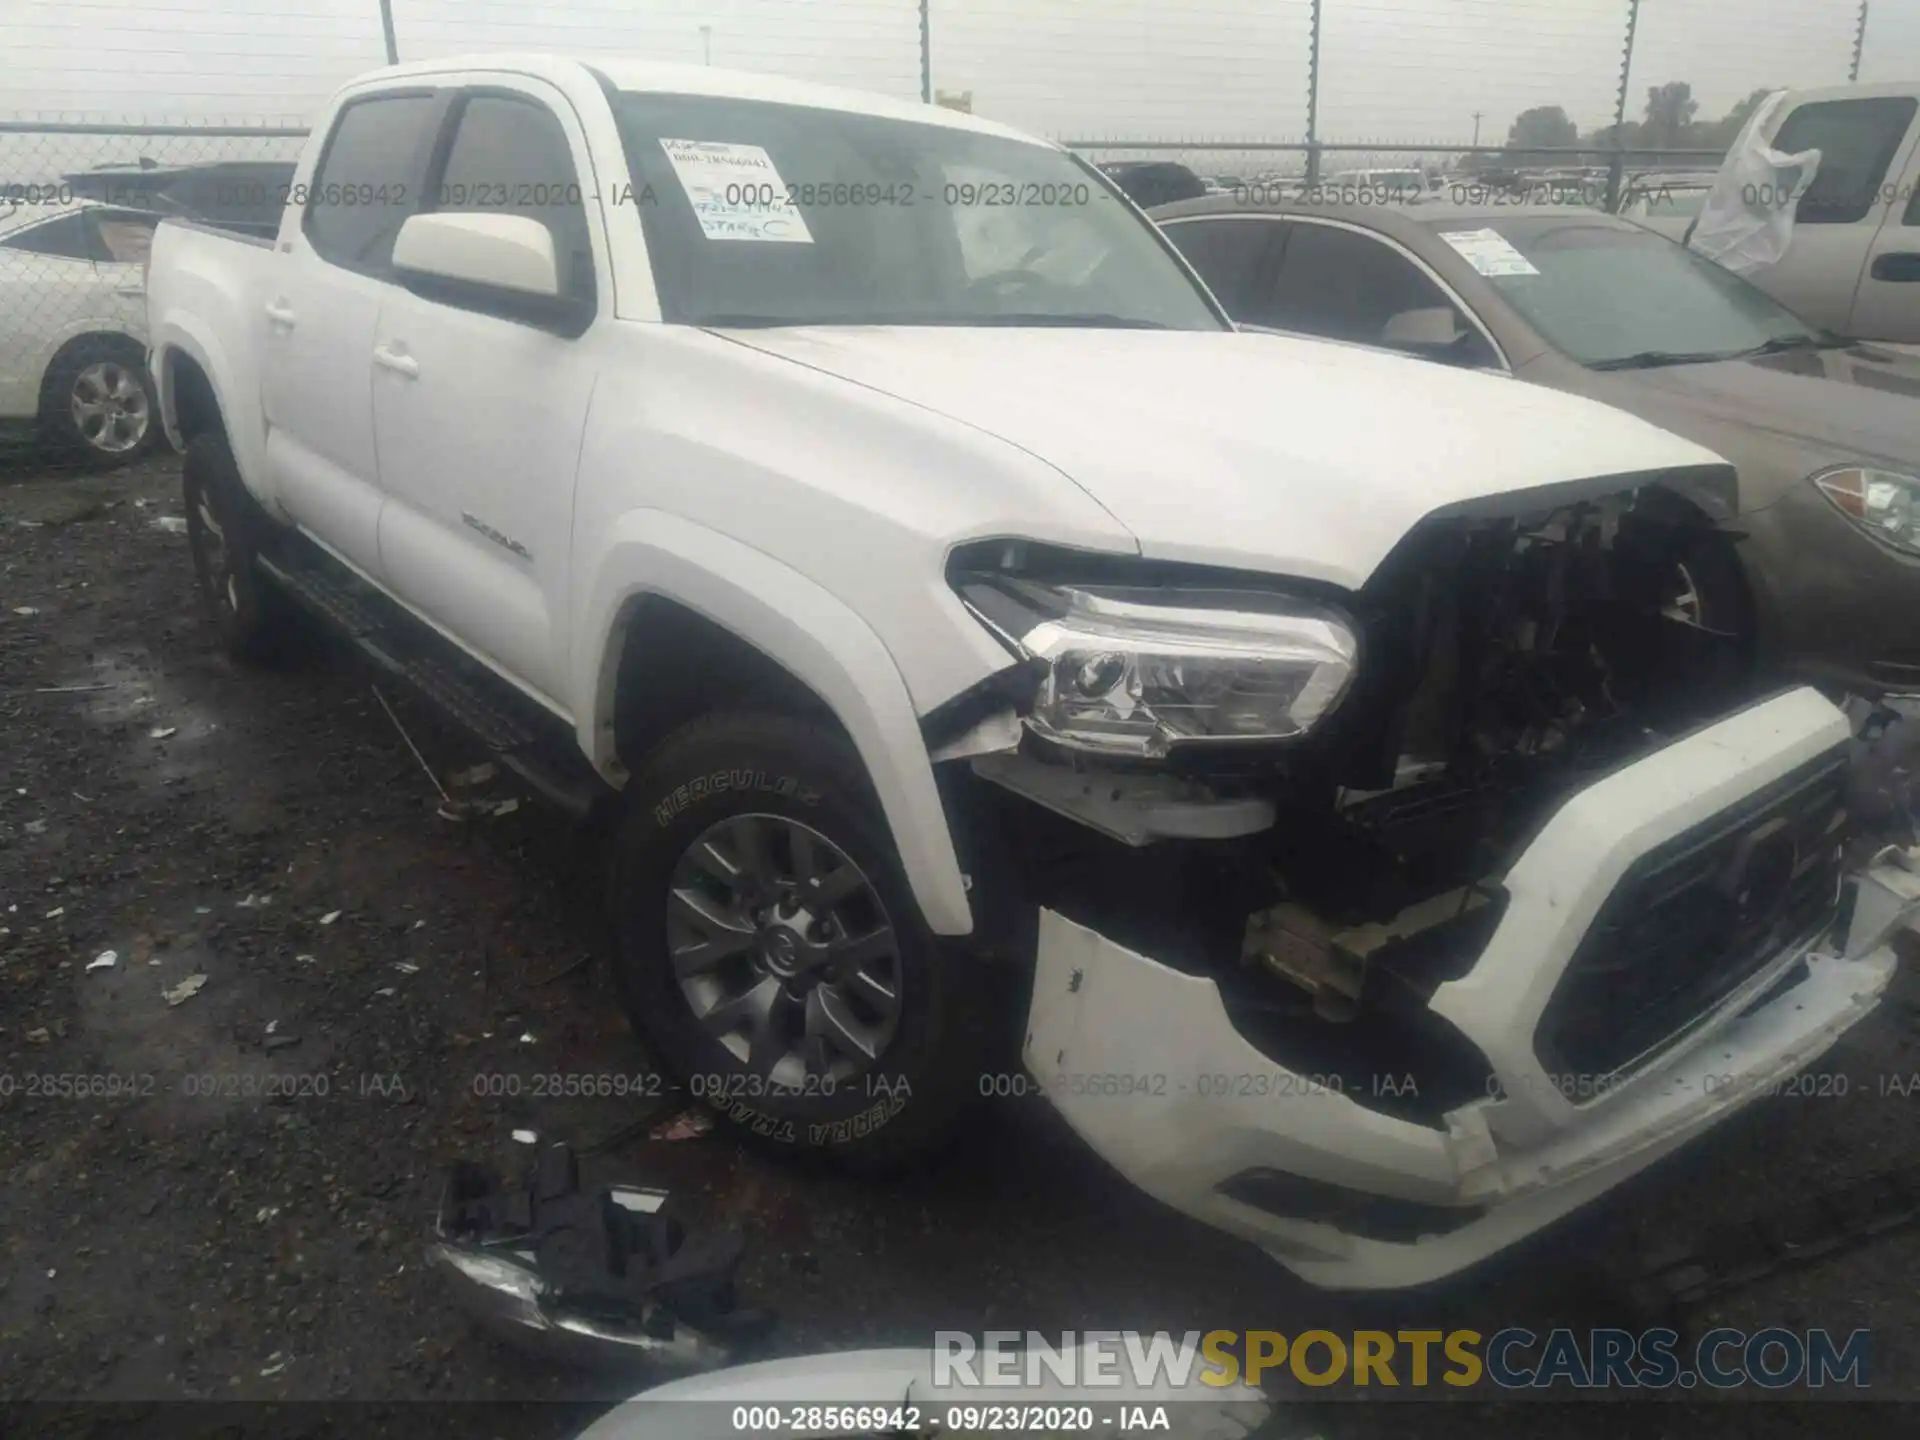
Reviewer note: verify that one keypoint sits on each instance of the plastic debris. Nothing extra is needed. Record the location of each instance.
(170, 524)
(273, 1366)
(526, 1037)
(265, 1213)
(272, 1025)
(525, 1137)
(25, 610)
(105, 960)
(254, 902)
(474, 775)
(185, 990)
(386, 990)
(38, 1036)
(406, 967)
(56, 912)
(303, 959)
(203, 910)
(640, 1201)
(330, 917)
(162, 732)
(580, 1276)
(35, 827)
(506, 807)
(687, 1125)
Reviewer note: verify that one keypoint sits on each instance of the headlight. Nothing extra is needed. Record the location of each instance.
(1881, 502)
(1141, 671)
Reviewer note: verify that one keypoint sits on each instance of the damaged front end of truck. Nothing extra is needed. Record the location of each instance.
(1383, 928)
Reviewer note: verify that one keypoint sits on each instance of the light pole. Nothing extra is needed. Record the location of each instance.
(1476, 128)
(706, 44)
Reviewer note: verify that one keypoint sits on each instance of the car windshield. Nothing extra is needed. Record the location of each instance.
(1610, 294)
(770, 214)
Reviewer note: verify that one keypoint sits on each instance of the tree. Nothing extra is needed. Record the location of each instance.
(1670, 111)
(1543, 127)
(1721, 134)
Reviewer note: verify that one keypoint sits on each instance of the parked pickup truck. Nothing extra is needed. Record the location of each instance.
(974, 637)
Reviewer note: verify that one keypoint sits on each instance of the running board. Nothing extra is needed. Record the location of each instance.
(404, 647)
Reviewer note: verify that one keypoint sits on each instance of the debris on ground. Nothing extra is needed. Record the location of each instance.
(25, 610)
(588, 1277)
(280, 1042)
(38, 1036)
(689, 1124)
(473, 775)
(185, 990)
(254, 902)
(171, 524)
(162, 732)
(105, 960)
(330, 917)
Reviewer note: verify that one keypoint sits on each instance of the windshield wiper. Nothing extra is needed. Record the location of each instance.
(1781, 344)
(1650, 359)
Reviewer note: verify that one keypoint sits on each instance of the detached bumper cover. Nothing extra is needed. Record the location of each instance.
(1504, 1167)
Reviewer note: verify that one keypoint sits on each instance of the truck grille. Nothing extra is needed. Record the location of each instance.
(1694, 919)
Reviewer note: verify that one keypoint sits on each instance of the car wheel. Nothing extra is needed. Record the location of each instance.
(97, 403)
(771, 955)
(225, 531)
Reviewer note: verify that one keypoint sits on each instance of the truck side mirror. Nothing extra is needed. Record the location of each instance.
(510, 253)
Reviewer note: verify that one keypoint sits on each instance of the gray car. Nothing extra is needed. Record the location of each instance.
(1821, 566)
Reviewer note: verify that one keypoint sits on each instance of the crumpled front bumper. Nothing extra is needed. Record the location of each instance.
(1501, 1168)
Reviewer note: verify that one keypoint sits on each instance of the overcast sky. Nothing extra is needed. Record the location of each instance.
(1392, 70)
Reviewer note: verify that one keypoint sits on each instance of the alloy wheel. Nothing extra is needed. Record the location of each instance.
(784, 951)
(110, 407)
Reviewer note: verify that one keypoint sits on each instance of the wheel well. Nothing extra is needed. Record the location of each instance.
(196, 409)
(675, 665)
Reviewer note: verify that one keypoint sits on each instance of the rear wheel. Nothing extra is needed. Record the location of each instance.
(771, 953)
(225, 531)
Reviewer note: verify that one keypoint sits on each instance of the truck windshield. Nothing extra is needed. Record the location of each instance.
(770, 214)
(1615, 296)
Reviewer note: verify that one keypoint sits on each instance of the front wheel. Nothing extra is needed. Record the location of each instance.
(771, 953)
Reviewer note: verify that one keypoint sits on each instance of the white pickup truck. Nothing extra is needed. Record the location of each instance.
(1286, 745)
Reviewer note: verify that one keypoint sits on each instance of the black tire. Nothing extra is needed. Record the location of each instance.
(226, 532)
(905, 1103)
(97, 404)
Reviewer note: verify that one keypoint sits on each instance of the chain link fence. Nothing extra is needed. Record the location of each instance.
(122, 113)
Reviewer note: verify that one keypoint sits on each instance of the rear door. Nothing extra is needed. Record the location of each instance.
(1861, 141)
(479, 414)
(324, 292)
(1887, 305)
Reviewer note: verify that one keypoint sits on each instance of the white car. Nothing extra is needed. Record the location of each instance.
(1385, 874)
(73, 325)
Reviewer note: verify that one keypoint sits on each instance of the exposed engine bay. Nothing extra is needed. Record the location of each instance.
(1505, 662)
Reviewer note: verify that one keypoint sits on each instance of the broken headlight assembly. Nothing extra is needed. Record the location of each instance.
(1883, 503)
(1142, 670)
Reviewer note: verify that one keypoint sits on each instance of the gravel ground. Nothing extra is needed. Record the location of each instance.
(273, 833)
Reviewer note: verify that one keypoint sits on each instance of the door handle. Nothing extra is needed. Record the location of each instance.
(1896, 266)
(279, 314)
(395, 361)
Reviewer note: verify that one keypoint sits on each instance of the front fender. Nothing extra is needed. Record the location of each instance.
(804, 628)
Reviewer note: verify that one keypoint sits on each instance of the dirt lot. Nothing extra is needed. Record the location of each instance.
(273, 833)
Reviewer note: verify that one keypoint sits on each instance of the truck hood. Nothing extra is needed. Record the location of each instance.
(1778, 417)
(1258, 452)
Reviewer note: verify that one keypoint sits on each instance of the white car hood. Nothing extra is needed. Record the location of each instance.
(1260, 452)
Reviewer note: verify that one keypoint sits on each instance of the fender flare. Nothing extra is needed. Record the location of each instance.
(246, 432)
(805, 629)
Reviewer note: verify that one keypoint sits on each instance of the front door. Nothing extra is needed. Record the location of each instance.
(479, 417)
